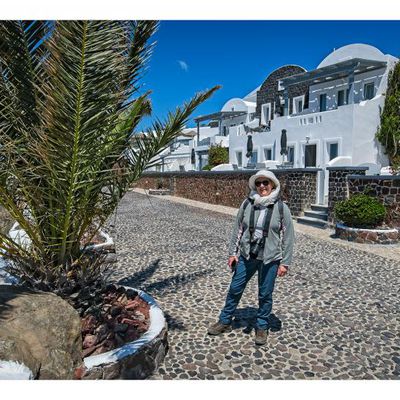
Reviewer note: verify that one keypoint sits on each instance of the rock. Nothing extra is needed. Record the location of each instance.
(115, 310)
(131, 305)
(129, 321)
(90, 341)
(14, 349)
(139, 316)
(102, 331)
(120, 328)
(131, 294)
(131, 335)
(89, 323)
(88, 351)
(31, 320)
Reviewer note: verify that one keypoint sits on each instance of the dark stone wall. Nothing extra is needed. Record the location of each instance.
(338, 186)
(298, 186)
(385, 188)
(269, 93)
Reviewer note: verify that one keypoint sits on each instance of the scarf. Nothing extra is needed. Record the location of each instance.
(265, 200)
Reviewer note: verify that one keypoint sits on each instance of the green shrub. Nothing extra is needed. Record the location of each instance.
(218, 155)
(389, 131)
(207, 167)
(360, 211)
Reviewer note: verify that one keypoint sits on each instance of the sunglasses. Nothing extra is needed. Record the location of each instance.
(265, 183)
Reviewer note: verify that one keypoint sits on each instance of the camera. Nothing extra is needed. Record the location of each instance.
(255, 247)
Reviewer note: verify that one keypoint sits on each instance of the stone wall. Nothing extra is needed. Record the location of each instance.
(367, 236)
(338, 186)
(385, 188)
(269, 93)
(229, 188)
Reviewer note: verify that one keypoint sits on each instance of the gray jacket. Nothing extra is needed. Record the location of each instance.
(276, 248)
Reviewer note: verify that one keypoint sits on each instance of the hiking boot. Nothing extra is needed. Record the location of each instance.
(261, 336)
(218, 328)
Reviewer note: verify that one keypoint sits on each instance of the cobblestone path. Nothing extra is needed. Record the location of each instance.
(336, 315)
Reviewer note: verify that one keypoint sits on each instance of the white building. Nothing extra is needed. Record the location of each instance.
(190, 150)
(330, 114)
(236, 112)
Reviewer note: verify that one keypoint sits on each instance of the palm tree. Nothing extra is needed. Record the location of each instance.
(70, 99)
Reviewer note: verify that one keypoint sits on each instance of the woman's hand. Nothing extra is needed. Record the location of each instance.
(232, 261)
(282, 270)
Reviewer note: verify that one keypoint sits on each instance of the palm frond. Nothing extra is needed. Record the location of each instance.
(68, 107)
(140, 50)
(148, 146)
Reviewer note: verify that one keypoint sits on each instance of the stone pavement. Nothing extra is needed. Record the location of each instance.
(336, 314)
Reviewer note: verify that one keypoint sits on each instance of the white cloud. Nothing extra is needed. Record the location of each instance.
(183, 65)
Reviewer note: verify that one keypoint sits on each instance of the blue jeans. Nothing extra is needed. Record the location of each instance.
(245, 269)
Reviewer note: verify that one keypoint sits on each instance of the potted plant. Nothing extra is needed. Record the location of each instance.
(362, 220)
(70, 103)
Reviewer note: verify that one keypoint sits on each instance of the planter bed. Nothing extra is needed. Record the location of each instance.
(134, 360)
(124, 335)
(367, 236)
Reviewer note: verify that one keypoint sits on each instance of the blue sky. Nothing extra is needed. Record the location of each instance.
(191, 56)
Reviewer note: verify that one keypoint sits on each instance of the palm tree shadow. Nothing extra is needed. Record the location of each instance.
(173, 323)
(173, 283)
(245, 318)
(140, 277)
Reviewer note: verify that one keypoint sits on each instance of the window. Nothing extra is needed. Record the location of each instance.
(239, 158)
(322, 102)
(333, 150)
(268, 154)
(290, 154)
(340, 98)
(369, 90)
(251, 117)
(298, 103)
(254, 157)
(265, 113)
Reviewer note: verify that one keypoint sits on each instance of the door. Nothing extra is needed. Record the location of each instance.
(310, 155)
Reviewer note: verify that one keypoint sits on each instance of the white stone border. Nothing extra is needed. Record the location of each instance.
(157, 324)
(109, 242)
(20, 236)
(348, 228)
(14, 370)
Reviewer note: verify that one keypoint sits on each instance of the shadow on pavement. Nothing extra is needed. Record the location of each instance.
(246, 318)
(140, 277)
(173, 283)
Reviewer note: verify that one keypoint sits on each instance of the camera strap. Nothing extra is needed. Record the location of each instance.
(267, 220)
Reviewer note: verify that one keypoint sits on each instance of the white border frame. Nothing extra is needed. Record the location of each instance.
(263, 106)
(295, 155)
(268, 147)
(327, 142)
(239, 150)
(294, 107)
(319, 101)
(302, 159)
(256, 149)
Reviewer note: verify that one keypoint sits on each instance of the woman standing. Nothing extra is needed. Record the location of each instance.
(262, 241)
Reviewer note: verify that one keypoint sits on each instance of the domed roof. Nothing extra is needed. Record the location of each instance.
(279, 73)
(357, 50)
(237, 104)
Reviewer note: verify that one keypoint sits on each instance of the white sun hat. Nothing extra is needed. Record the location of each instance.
(263, 173)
